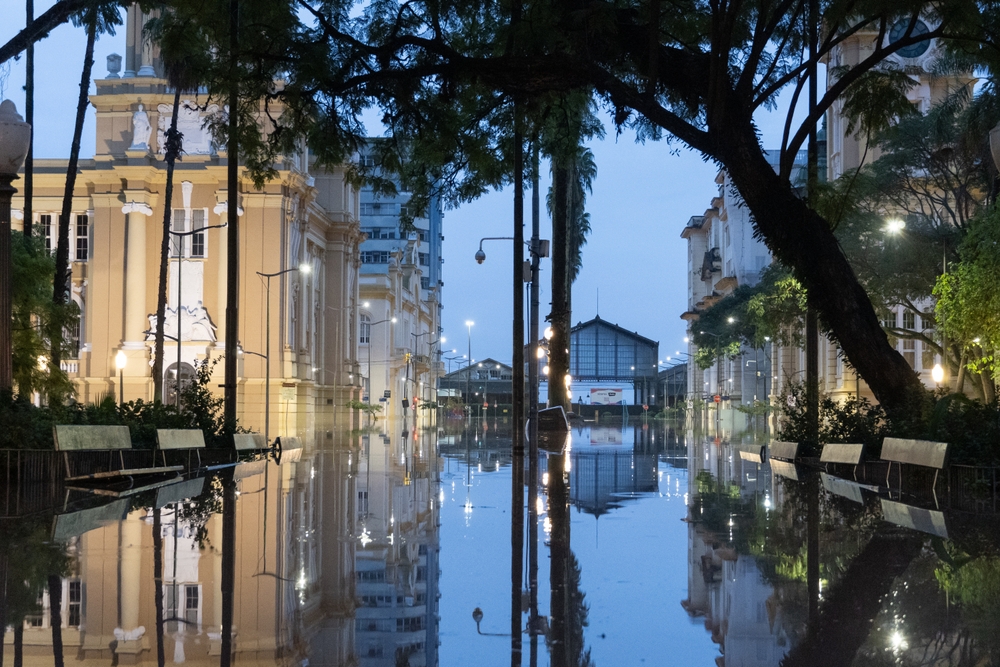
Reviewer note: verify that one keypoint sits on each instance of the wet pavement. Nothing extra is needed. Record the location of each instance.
(655, 546)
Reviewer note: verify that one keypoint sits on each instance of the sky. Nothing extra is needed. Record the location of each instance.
(634, 263)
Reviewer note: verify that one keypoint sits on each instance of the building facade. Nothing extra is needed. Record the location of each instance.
(400, 287)
(722, 254)
(304, 217)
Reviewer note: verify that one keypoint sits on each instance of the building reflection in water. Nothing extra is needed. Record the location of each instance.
(743, 611)
(334, 563)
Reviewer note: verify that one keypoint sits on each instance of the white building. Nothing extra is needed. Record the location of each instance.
(400, 293)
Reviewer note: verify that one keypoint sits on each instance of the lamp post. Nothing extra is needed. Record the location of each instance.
(180, 274)
(120, 361)
(450, 359)
(369, 371)
(302, 268)
(468, 374)
(15, 135)
(537, 248)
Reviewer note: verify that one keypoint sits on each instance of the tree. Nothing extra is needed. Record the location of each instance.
(567, 123)
(101, 18)
(968, 301)
(184, 51)
(773, 310)
(35, 315)
(693, 72)
(60, 12)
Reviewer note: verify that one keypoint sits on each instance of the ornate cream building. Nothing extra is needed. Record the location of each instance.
(304, 216)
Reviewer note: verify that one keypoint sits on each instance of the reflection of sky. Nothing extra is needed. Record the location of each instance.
(634, 573)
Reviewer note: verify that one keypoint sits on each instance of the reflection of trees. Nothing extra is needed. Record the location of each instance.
(568, 604)
(28, 558)
(849, 609)
(974, 583)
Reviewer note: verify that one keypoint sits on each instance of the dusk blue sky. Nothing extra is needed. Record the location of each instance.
(643, 196)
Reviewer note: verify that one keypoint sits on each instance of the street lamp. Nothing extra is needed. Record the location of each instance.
(302, 268)
(468, 374)
(180, 274)
(15, 136)
(120, 361)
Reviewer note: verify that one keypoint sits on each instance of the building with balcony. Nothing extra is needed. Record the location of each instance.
(400, 279)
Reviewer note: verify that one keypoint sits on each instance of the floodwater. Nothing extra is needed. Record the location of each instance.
(646, 545)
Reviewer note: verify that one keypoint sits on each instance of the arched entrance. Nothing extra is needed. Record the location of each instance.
(170, 381)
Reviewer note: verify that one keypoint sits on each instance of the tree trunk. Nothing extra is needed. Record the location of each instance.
(802, 240)
(989, 391)
(29, 118)
(173, 148)
(55, 616)
(40, 28)
(158, 585)
(960, 379)
(19, 644)
(845, 620)
(60, 286)
(559, 315)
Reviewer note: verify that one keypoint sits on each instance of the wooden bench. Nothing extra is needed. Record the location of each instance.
(249, 442)
(187, 440)
(751, 453)
(289, 448)
(787, 451)
(843, 453)
(914, 452)
(92, 444)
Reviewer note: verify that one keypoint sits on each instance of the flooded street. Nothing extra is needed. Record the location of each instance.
(654, 547)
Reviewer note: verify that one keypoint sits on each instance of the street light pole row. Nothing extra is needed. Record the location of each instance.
(302, 268)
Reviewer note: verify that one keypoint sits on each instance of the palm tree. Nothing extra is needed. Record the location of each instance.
(571, 121)
(181, 52)
(100, 18)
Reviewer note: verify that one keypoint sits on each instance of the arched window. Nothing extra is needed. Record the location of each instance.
(365, 333)
(174, 381)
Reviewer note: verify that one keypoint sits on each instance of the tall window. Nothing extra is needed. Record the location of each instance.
(82, 238)
(178, 223)
(75, 602)
(184, 220)
(365, 334)
(46, 223)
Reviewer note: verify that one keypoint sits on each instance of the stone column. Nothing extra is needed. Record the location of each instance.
(136, 315)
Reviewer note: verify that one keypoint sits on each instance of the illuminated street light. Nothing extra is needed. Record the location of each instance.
(120, 361)
(894, 225)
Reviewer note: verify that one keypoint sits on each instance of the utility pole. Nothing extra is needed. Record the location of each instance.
(233, 237)
(812, 328)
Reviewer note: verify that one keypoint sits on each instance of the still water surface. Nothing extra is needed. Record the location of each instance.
(655, 546)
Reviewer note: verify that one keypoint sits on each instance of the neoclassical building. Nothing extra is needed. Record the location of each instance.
(304, 217)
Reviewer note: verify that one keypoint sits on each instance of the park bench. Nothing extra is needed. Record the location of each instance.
(288, 448)
(103, 452)
(786, 469)
(786, 451)
(751, 453)
(183, 441)
(928, 521)
(842, 453)
(249, 442)
(914, 452)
